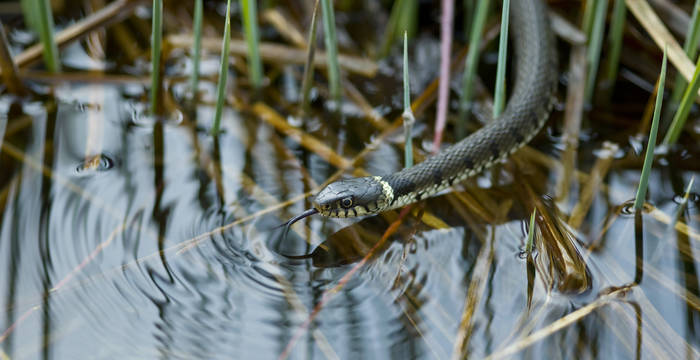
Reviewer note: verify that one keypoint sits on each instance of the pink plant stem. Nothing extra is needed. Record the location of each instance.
(443, 90)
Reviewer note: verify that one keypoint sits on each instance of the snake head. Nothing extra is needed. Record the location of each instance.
(354, 197)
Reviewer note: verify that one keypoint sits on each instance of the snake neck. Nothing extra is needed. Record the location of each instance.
(528, 109)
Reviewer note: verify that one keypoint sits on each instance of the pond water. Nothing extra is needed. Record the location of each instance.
(129, 236)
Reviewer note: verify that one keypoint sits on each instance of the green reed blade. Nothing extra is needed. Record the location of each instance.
(402, 19)
(331, 48)
(408, 118)
(156, 40)
(471, 64)
(30, 16)
(309, 66)
(531, 232)
(595, 46)
(617, 27)
(44, 19)
(649, 156)
(223, 71)
(250, 23)
(690, 46)
(196, 47)
(674, 131)
(499, 98)
(587, 21)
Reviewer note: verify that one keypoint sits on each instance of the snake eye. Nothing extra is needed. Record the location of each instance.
(346, 202)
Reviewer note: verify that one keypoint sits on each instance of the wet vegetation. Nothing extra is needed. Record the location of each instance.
(146, 162)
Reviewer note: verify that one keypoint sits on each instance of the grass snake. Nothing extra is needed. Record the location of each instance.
(527, 110)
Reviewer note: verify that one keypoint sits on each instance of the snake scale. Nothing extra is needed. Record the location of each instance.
(526, 112)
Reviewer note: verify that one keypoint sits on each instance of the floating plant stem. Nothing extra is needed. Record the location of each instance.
(531, 232)
(674, 131)
(471, 64)
(196, 47)
(156, 39)
(250, 23)
(408, 118)
(649, 156)
(616, 32)
(690, 46)
(309, 66)
(499, 98)
(223, 71)
(595, 45)
(331, 48)
(46, 34)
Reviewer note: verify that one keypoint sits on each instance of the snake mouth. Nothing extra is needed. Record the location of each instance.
(291, 221)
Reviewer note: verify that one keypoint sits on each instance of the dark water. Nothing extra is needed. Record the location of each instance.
(124, 236)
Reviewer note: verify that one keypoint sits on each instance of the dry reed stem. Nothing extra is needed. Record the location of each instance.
(662, 37)
(550, 329)
(573, 114)
(279, 54)
(285, 27)
(8, 66)
(592, 186)
(114, 12)
(475, 292)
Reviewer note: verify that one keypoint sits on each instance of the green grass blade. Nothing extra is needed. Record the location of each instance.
(674, 131)
(681, 206)
(531, 233)
(309, 66)
(402, 19)
(471, 63)
(156, 39)
(499, 99)
(30, 16)
(46, 34)
(196, 47)
(408, 118)
(617, 27)
(223, 71)
(595, 46)
(250, 23)
(649, 156)
(587, 21)
(331, 48)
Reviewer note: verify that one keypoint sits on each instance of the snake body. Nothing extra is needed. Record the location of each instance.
(526, 112)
